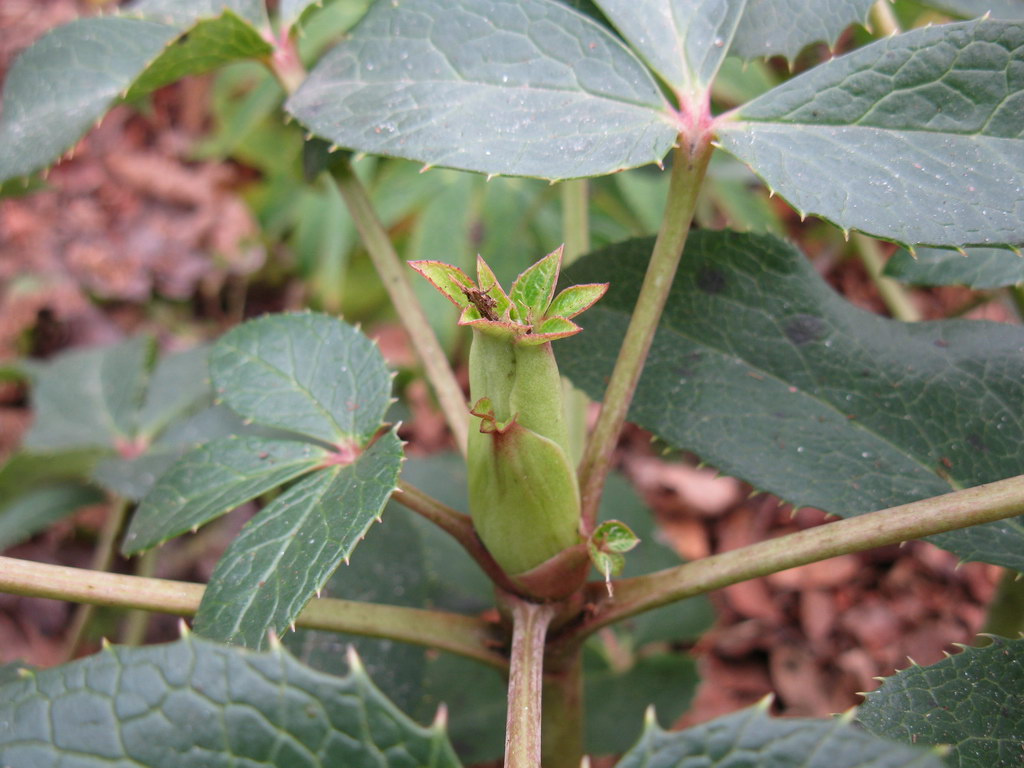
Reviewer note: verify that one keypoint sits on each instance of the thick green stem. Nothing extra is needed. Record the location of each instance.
(463, 635)
(134, 630)
(896, 299)
(102, 559)
(457, 525)
(563, 715)
(525, 684)
(393, 273)
(972, 506)
(689, 164)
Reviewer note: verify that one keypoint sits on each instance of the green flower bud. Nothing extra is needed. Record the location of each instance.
(523, 494)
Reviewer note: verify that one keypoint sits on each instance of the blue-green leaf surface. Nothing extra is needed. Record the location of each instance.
(981, 268)
(195, 703)
(916, 138)
(214, 479)
(765, 372)
(517, 87)
(89, 397)
(40, 507)
(684, 41)
(751, 739)
(286, 553)
(184, 13)
(57, 89)
(973, 702)
(306, 373)
(784, 27)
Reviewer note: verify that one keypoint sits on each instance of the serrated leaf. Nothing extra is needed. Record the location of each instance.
(38, 508)
(57, 89)
(916, 138)
(981, 268)
(767, 374)
(515, 87)
(576, 299)
(195, 702)
(750, 737)
(785, 27)
(290, 549)
(89, 398)
(214, 479)
(973, 701)
(533, 289)
(684, 41)
(996, 9)
(183, 13)
(390, 568)
(306, 373)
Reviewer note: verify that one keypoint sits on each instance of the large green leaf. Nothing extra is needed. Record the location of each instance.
(307, 373)
(180, 383)
(193, 703)
(214, 479)
(57, 89)
(784, 27)
(751, 739)
(973, 701)
(286, 554)
(981, 268)
(89, 398)
(684, 41)
(518, 87)
(916, 138)
(766, 373)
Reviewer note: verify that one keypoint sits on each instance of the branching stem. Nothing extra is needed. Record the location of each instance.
(960, 509)
(463, 635)
(689, 163)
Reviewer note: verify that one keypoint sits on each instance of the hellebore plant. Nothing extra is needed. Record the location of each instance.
(734, 350)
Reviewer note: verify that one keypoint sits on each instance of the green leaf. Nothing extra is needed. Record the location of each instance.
(89, 398)
(767, 374)
(194, 703)
(981, 268)
(532, 291)
(180, 383)
(684, 41)
(289, 11)
(784, 27)
(209, 44)
(751, 738)
(516, 87)
(57, 89)
(39, 508)
(288, 551)
(391, 569)
(616, 699)
(973, 701)
(183, 13)
(214, 479)
(915, 138)
(307, 373)
(24, 470)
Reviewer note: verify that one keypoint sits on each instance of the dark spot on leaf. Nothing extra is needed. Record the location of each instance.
(974, 440)
(690, 363)
(802, 329)
(941, 343)
(711, 280)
